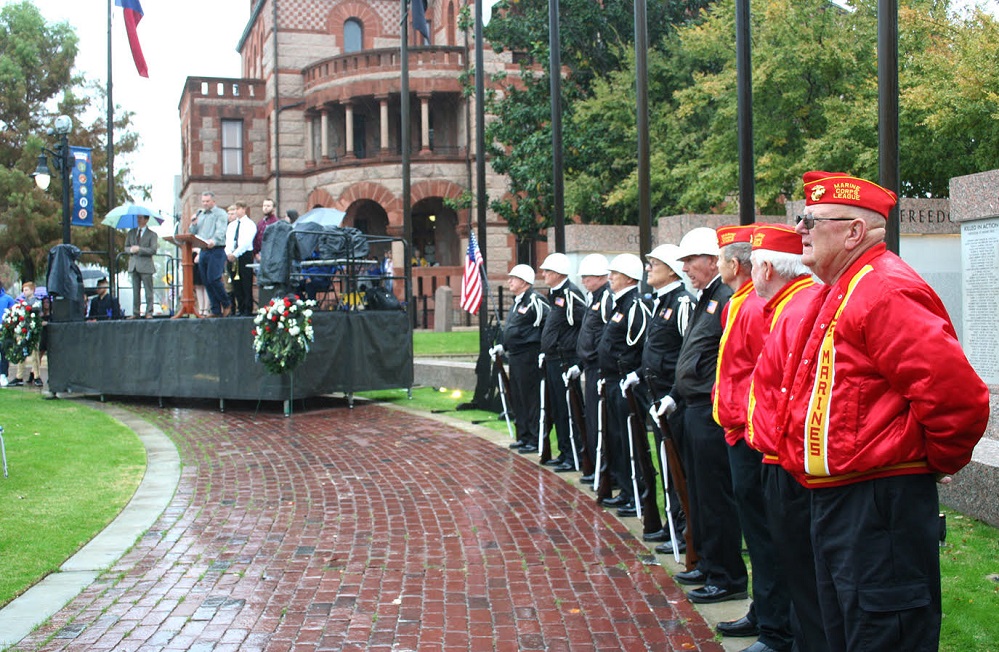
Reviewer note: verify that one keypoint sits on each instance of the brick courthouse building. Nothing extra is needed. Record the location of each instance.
(315, 121)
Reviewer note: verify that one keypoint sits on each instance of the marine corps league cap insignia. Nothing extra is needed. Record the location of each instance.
(817, 192)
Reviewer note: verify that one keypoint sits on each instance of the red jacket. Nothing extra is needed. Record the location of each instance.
(740, 345)
(877, 384)
(781, 317)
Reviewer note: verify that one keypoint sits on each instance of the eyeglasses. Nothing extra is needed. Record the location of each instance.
(810, 220)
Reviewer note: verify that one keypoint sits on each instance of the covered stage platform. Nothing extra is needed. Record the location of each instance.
(214, 358)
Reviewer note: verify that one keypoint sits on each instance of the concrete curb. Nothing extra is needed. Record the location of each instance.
(152, 497)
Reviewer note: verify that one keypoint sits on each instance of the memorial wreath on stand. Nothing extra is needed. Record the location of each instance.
(21, 331)
(282, 332)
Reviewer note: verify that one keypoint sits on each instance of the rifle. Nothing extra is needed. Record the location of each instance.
(545, 423)
(675, 468)
(578, 417)
(638, 442)
(601, 481)
(504, 382)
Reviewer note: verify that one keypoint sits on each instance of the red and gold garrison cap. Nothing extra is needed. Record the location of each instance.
(734, 233)
(777, 237)
(840, 188)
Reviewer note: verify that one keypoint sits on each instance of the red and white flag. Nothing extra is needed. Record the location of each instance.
(471, 281)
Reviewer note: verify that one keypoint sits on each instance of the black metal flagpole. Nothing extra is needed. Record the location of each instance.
(407, 222)
(110, 156)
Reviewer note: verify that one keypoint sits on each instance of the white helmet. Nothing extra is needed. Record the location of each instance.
(558, 263)
(593, 265)
(668, 254)
(628, 264)
(523, 272)
(699, 241)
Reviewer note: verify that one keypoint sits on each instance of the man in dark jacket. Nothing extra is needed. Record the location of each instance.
(558, 346)
(522, 345)
(716, 532)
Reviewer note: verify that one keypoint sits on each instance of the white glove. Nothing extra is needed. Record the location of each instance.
(541, 360)
(600, 385)
(496, 351)
(572, 373)
(666, 406)
(628, 381)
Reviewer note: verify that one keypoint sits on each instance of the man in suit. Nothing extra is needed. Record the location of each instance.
(141, 243)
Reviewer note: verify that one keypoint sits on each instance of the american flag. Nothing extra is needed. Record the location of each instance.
(471, 282)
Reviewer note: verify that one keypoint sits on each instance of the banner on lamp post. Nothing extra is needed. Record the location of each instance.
(83, 187)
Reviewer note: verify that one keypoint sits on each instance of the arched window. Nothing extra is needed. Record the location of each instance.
(353, 35)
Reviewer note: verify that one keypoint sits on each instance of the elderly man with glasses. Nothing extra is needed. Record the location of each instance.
(877, 401)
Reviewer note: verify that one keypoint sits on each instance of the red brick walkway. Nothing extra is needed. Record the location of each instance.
(371, 529)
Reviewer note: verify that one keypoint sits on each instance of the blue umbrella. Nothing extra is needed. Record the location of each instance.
(320, 216)
(123, 217)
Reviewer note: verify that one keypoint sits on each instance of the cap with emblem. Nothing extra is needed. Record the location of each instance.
(558, 263)
(777, 237)
(701, 241)
(593, 265)
(730, 234)
(840, 188)
(523, 272)
(628, 264)
(669, 254)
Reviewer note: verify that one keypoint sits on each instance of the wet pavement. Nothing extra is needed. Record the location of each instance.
(372, 529)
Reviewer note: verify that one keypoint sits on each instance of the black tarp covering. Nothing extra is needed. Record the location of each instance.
(213, 358)
(64, 278)
(278, 250)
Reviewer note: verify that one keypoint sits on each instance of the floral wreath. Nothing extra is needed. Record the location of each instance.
(282, 332)
(21, 331)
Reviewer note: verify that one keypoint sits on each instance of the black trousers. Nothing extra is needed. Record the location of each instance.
(789, 515)
(644, 399)
(877, 564)
(709, 483)
(771, 598)
(616, 435)
(242, 289)
(590, 405)
(557, 406)
(525, 394)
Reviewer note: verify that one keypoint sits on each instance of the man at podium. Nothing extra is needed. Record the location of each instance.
(209, 224)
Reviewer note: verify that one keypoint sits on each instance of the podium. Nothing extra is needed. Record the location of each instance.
(187, 242)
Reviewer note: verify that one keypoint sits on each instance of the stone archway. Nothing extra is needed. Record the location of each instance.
(435, 232)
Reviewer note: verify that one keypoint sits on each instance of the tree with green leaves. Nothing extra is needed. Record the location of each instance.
(595, 39)
(36, 73)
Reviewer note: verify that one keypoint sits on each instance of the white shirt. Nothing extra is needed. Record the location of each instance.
(247, 231)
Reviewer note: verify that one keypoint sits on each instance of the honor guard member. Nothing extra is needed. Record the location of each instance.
(593, 275)
(785, 283)
(671, 311)
(558, 345)
(715, 533)
(738, 351)
(877, 401)
(522, 344)
(620, 359)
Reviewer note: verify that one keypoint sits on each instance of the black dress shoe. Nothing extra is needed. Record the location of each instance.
(619, 500)
(710, 594)
(689, 578)
(658, 535)
(528, 448)
(518, 444)
(627, 510)
(742, 627)
(555, 461)
(564, 467)
(587, 479)
(758, 646)
(666, 548)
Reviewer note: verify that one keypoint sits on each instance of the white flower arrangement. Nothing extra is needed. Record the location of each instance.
(282, 332)
(21, 331)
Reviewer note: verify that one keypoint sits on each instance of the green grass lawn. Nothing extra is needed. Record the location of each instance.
(429, 343)
(72, 470)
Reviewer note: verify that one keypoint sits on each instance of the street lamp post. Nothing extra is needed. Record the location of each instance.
(62, 159)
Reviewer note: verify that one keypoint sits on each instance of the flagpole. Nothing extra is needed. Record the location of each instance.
(407, 223)
(110, 157)
(480, 172)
